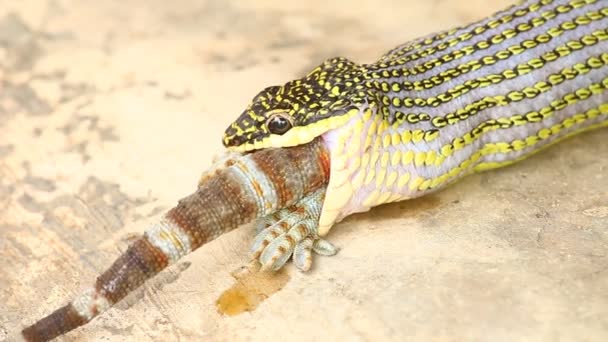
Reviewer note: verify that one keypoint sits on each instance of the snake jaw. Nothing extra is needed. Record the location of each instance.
(322, 100)
(298, 135)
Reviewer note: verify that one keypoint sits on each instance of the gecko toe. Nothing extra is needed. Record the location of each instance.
(279, 250)
(271, 227)
(291, 232)
(302, 254)
(324, 247)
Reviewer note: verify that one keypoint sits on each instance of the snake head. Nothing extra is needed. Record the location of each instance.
(296, 112)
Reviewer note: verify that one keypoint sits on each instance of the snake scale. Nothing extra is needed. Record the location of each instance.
(347, 137)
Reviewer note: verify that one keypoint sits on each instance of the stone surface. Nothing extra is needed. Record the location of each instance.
(109, 112)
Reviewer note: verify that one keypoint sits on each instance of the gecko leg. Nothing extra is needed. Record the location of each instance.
(291, 231)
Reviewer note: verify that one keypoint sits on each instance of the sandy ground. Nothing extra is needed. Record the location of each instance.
(110, 110)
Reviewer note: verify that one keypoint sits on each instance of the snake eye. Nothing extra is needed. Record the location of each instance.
(278, 124)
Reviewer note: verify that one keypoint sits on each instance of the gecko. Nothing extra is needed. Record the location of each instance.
(347, 137)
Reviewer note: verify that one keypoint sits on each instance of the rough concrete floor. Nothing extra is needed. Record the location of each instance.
(110, 110)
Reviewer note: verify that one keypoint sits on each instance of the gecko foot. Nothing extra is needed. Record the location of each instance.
(291, 231)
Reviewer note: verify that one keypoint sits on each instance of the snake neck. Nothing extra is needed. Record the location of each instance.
(469, 99)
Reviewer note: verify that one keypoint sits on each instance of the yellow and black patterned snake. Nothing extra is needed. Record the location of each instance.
(433, 110)
(347, 137)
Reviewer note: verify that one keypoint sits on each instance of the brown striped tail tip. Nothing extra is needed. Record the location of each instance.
(78, 312)
(59, 322)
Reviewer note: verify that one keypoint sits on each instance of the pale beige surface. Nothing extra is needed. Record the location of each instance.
(110, 110)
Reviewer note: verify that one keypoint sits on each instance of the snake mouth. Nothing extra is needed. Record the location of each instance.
(239, 141)
(297, 135)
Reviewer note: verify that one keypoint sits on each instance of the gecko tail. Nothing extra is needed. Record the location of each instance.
(59, 322)
(162, 244)
(143, 259)
(252, 186)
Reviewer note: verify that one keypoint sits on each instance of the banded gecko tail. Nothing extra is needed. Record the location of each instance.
(253, 186)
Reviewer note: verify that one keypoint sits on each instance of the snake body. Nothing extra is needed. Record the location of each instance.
(438, 108)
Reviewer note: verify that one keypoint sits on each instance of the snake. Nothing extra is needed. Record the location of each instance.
(433, 110)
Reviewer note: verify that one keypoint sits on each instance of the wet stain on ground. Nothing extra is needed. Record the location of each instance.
(252, 287)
